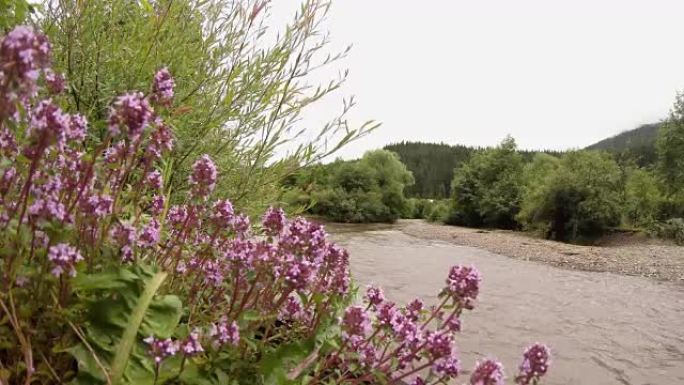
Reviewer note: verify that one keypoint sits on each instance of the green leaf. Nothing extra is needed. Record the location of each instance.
(123, 308)
(125, 345)
(275, 366)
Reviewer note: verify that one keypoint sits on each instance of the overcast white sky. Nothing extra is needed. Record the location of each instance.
(554, 74)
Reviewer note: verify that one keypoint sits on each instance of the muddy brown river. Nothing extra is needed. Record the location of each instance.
(603, 328)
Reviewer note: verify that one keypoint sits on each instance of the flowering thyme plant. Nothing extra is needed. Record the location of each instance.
(106, 281)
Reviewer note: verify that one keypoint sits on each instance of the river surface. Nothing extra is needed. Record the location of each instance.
(602, 328)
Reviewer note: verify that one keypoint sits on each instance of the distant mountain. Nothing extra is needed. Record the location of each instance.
(644, 135)
(638, 143)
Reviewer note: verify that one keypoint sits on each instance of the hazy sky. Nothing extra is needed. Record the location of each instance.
(554, 74)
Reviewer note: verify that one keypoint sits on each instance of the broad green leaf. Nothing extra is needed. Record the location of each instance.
(123, 309)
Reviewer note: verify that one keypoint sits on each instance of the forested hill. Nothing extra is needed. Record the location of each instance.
(638, 142)
(432, 165)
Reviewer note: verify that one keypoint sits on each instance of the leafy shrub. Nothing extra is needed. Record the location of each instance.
(370, 189)
(105, 281)
(486, 190)
(670, 149)
(439, 211)
(578, 196)
(643, 197)
(670, 229)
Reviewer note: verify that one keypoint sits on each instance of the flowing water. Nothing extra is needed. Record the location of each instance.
(602, 328)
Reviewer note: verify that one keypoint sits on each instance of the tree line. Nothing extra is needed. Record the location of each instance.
(433, 165)
(575, 195)
(567, 196)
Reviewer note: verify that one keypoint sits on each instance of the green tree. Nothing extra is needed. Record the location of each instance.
(536, 174)
(370, 189)
(486, 190)
(578, 197)
(670, 165)
(670, 149)
(642, 197)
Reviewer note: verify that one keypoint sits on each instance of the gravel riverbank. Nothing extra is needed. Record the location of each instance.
(640, 257)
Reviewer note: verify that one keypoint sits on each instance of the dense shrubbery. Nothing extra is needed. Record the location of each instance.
(670, 229)
(575, 197)
(486, 190)
(579, 194)
(430, 209)
(104, 280)
(370, 189)
(643, 198)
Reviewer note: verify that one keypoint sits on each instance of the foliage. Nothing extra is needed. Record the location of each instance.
(439, 211)
(536, 174)
(672, 228)
(121, 310)
(106, 281)
(578, 196)
(670, 166)
(14, 12)
(643, 197)
(370, 189)
(429, 209)
(243, 84)
(433, 165)
(486, 190)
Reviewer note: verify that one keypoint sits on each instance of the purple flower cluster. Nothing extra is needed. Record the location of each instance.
(64, 259)
(96, 206)
(149, 236)
(463, 284)
(223, 333)
(161, 140)
(48, 125)
(23, 54)
(157, 204)
(154, 180)
(55, 82)
(223, 213)
(375, 296)
(162, 87)
(536, 360)
(273, 221)
(160, 349)
(203, 177)
(355, 322)
(130, 114)
(487, 372)
(192, 346)
(78, 125)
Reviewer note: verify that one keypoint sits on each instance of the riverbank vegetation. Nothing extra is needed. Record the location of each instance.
(370, 189)
(572, 196)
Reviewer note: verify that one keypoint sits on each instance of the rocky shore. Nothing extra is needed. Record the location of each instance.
(639, 256)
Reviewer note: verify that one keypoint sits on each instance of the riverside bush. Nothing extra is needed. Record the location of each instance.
(672, 228)
(370, 189)
(105, 281)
